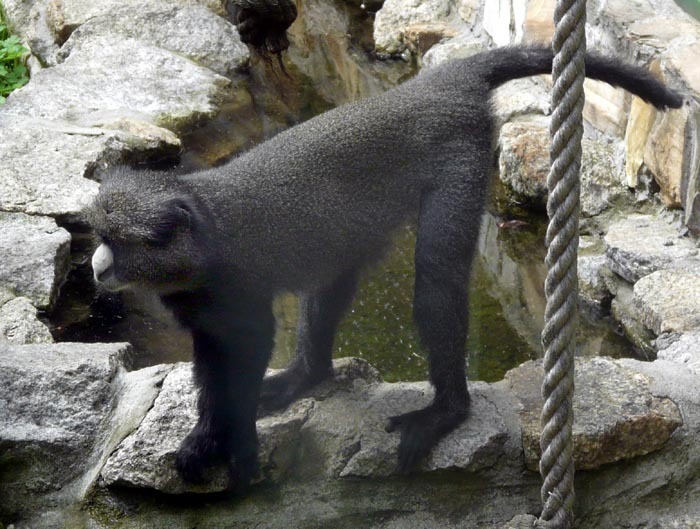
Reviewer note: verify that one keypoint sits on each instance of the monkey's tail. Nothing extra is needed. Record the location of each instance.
(505, 64)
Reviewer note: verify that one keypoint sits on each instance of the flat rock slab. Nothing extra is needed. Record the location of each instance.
(106, 77)
(638, 245)
(191, 31)
(35, 257)
(616, 416)
(668, 301)
(337, 432)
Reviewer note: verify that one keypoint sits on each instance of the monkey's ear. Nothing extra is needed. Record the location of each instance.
(177, 212)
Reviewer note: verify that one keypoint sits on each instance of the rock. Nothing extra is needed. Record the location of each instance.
(691, 170)
(520, 98)
(19, 323)
(421, 37)
(592, 289)
(539, 21)
(27, 18)
(606, 107)
(684, 350)
(64, 16)
(638, 245)
(47, 164)
(616, 415)
(191, 31)
(147, 457)
(104, 79)
(641, 120)
(664, 154)
(36, 257)
(54, 399)
(338, 432)
(460, 47)
(669, 301)
(396, 16)
(524, 166)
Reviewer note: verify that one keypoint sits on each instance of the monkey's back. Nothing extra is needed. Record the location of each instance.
(327, 195)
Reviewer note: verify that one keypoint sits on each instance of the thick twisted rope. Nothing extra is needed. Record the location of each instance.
(561, 285)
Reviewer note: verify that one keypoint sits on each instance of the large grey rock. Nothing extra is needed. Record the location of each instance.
(616, 415)
(19, 323)
(105, 79)
(524, 166)
(53, 401)
(47, 164)
(669, 301)
(638, 245)
(64, 16)
(191, 31)
(36, 257)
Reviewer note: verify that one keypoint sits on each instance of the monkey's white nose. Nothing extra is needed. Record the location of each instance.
(102, 261)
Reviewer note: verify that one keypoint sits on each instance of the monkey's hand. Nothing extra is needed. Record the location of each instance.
(421, 430)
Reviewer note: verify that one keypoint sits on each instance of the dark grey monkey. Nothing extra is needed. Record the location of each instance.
(305, 212)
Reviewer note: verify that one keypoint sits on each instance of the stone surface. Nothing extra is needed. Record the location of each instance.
(616, 415)
(539, 21)
(338, 432)
(638, 245)
(504, 20)
(641, 120)
(460, 47)
(54, 399)
(669, 301)
(106, 79)
(664, 154)
(19, 323)
(685, 350)
(64, 16)
(520, 98)
(606, 107)
(592, 289)
(524, 166)
(146, 458)
(36, 257)
(191, 31)
(27, 19)
(396, 16)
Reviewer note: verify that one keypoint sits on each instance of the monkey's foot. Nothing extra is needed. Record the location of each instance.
(421, 430)
(198, 452)
(281, 389)
(241, 472)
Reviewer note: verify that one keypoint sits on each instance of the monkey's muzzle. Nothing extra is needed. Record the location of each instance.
(103, 267)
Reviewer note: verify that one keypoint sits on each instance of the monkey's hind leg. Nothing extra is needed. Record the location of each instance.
(443, 255)
(319, 315)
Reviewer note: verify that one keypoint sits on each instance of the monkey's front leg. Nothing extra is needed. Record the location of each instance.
(228, 373)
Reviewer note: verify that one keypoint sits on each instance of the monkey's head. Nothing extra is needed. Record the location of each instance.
(148, 227)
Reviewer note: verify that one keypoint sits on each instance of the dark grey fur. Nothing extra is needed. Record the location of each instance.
(305, 212)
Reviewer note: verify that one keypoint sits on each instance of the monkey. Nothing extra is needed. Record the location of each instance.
(306, 212)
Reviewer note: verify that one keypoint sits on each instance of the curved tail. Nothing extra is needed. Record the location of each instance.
(504, 64)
